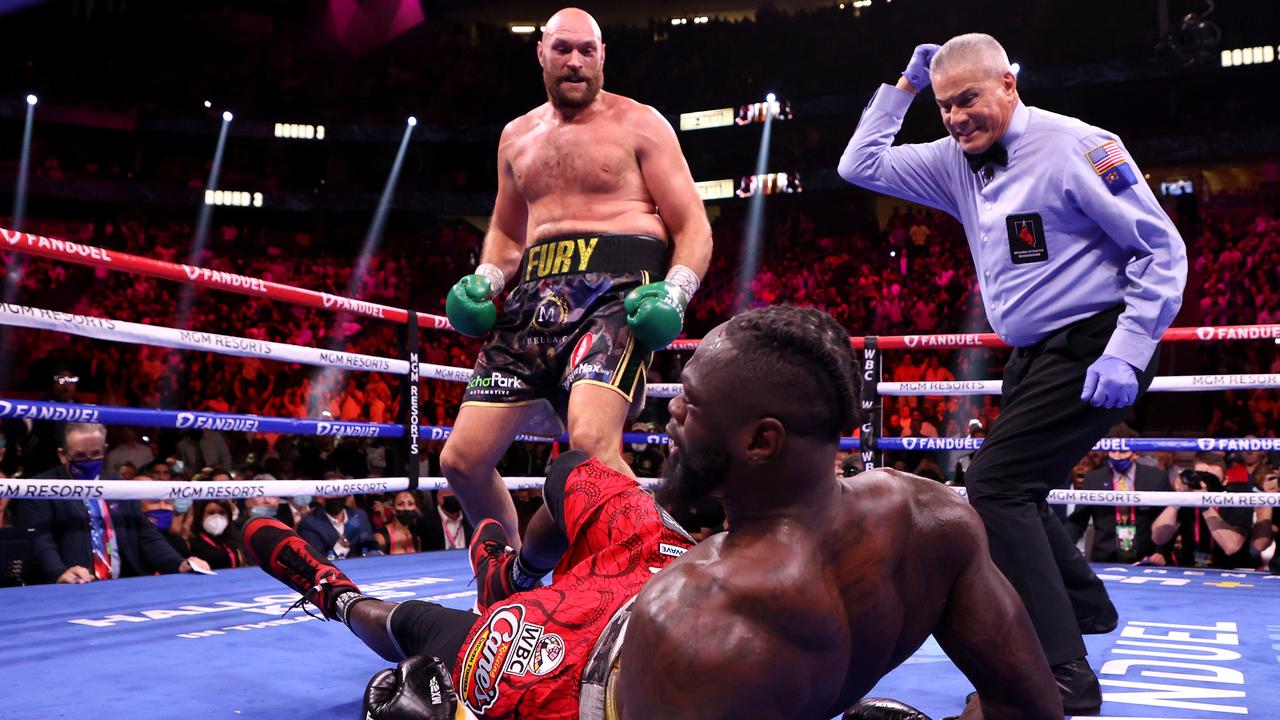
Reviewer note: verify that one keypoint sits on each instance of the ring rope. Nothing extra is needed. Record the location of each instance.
(98, 257)
(57, 489)
(232, 422)
(1204, 444)
(1167, 383)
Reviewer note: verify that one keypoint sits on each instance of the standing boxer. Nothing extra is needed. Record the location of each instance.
(592, 189)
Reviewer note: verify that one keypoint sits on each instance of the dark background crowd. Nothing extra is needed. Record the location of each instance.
(123, 143)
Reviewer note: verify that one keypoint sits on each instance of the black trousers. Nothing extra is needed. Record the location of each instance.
(1043, 430)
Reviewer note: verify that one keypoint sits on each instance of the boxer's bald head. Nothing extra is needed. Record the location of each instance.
(571, 53)
(777, 383)
(574, 21)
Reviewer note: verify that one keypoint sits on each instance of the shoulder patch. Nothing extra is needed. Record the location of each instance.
(1112, 165)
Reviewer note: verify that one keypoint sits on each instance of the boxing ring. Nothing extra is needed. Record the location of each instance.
(1191, 644)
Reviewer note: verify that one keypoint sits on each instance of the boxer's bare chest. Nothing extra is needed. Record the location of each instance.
(596, 158)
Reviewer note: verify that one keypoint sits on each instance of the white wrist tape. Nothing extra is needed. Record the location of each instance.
(685, 279)
(492, 273)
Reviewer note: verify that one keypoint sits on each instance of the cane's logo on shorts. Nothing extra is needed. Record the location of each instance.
(486, 659)
(581, 349)
(550, 312)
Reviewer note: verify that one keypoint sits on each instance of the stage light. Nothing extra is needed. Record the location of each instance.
(413, 121)
(208, 104)
(32, 100)
(522, 29)
(770, 98)
(1015, 68)
(226, 116)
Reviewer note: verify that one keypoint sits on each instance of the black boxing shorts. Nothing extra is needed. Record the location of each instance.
(564, 324)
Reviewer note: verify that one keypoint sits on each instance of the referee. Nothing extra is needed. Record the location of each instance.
(1080, 270)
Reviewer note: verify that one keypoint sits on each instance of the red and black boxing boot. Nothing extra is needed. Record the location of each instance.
(491, 562)
(285, 556)
(499, 570)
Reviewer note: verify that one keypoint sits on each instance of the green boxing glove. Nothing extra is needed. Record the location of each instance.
(469, 304)
(655, 311)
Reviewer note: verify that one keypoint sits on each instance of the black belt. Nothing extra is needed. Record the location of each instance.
(576, 254)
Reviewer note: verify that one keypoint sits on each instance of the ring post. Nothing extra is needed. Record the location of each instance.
(871, 403)
(412, 387)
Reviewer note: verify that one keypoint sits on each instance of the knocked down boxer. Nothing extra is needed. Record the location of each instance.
(819, 587)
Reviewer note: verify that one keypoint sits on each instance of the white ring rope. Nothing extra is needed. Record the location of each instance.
(29, 488)
(1168, 383)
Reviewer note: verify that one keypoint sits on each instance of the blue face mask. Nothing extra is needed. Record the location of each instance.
(160, 518)
(85, 469)
(181, 505)
(262, 511)
(302, 500)
(1120, 466)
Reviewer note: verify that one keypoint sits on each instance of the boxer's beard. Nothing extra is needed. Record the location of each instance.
(555, 92)
(686, 480)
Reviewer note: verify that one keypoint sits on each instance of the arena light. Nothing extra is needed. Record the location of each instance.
(720, 117)
(701, 20)
(232, 198)
(299, 131)
(1257, 55)
(32, 99)
(523, 29)
(208, 104)
(1015, 68)
(227, 116)
(770, 97)
(715, 189)
(413, 121)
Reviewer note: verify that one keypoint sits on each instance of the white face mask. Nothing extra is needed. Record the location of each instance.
(215, 525)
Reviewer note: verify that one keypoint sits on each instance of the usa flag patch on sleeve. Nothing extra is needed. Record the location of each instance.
(1111, 164)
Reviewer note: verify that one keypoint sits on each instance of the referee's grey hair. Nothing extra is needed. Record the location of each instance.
(86, 428)
(971, 49)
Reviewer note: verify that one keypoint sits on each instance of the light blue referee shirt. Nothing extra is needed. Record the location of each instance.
(1066, 230)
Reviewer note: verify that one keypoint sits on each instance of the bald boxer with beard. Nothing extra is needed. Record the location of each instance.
(819, 588)
(602, 236)
(821, 585)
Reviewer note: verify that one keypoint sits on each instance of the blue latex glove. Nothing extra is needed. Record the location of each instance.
(917, 72)
(1110, 383)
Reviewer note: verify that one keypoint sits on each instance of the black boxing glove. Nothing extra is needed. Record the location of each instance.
(883, 709)
(417, 689)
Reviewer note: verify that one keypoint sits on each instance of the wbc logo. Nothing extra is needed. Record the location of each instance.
(1204, 333)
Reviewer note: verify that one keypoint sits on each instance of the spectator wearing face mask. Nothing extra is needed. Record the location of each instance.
(161, 514)
(211, 540)
(271, 507)
(78, 541)
(446, 528)
(1125, 534)
(400, 534)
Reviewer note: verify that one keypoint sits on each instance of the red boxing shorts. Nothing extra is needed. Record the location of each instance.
(524, 658)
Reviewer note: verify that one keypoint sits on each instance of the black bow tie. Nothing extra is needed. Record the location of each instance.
(994, 154)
